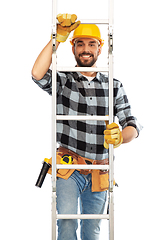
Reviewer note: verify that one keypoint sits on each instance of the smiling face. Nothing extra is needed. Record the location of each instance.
(86, 51)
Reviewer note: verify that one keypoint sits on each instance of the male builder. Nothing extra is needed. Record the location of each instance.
(83, 93)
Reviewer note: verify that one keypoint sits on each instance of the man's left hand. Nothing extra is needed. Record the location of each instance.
(112, 135)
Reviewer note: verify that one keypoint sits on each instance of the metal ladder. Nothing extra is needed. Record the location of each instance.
(110, 167)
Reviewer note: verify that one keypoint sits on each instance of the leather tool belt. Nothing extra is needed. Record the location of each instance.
(82, 160)
(99, 177)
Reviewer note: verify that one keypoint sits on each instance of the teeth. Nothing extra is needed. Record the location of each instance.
(85, 56)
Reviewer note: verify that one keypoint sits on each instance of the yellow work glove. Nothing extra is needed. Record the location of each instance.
(112, 135)
(67, 24)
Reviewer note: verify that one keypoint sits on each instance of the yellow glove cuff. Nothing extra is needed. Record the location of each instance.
(61, 38)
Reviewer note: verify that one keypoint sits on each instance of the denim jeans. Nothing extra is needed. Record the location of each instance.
(78, 187)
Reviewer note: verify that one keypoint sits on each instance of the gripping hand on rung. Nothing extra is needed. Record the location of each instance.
(67, 23)
(112, 135)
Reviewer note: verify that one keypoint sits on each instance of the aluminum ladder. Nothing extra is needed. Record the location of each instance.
(110, 167)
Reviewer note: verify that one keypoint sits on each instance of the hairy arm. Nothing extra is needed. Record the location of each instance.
(129, 133)
(43, 61)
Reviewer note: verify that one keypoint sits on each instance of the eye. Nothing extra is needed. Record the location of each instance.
(80, 44)
(92, 45)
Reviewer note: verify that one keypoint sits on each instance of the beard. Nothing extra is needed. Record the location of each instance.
(85, 62)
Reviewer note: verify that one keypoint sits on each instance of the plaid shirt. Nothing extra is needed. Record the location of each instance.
(77, 96)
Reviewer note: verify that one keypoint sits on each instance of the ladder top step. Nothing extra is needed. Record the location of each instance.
(95, 21)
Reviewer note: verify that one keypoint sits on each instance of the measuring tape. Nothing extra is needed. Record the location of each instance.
(66, 159)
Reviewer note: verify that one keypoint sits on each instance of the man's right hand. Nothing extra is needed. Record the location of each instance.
(66, 25)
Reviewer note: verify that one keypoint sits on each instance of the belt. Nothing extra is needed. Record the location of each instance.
(83, 160)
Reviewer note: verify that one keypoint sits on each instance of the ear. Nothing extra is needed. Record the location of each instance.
(73, 49)
(100, 50)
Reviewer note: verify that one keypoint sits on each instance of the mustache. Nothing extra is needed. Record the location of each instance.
(85, 53)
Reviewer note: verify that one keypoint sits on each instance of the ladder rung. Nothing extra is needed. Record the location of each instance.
(82, 166)
(82, 216)
(82, 69)
(80, 117)
(95, 21)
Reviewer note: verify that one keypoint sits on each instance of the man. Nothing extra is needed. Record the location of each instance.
(83, 93)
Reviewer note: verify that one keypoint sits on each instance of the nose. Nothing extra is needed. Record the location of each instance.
(86, 48)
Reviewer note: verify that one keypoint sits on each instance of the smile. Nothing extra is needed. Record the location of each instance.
(85, 56)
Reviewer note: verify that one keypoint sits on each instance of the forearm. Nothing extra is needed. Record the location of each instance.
(43, 61)
(128, 134)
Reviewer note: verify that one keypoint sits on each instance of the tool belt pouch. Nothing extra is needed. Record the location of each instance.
(62, 173)
(100, 181)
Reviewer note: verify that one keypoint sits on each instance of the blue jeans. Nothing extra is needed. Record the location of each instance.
(78, 186)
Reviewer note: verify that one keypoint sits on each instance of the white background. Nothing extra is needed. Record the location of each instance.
(140, 52)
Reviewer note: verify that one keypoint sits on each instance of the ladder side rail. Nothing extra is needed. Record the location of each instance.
(54, 100)
(53, 154)
(111, 118)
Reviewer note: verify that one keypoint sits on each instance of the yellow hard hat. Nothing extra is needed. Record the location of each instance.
(87, 31)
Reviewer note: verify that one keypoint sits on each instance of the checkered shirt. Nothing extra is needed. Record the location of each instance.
(77, 96)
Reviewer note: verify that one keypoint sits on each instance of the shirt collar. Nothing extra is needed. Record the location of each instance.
(78, 76)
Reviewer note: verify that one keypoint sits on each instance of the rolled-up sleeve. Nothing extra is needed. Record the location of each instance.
(46, 82)
(122, 109)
